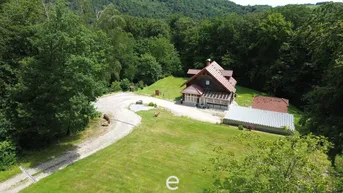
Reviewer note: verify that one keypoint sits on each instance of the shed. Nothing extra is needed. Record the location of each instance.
(262, 120)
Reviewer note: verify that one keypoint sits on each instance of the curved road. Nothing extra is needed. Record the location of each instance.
(123, 123)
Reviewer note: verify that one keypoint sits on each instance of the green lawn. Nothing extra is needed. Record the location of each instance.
(245, 96)
(29, 159)
(142, 161)
(169, 87)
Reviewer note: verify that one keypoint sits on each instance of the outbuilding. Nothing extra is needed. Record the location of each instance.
(262, 120)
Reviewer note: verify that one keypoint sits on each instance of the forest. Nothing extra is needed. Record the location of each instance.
(196, 9)
(57, 57)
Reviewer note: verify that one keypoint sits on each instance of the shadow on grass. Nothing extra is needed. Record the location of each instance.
(32, 158)
(44, 160)
(60, 161)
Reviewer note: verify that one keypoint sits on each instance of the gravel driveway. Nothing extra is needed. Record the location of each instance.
(115, 105)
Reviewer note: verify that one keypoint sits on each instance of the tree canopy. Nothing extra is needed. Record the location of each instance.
(57, 57)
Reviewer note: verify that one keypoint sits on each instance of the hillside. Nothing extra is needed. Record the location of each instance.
(142, 161)
(197, 9)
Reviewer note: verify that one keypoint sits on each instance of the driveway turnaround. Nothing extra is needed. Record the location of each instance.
(122, 123)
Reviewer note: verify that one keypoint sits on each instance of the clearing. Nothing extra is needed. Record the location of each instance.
(123, 122)
(171, 87)
(142, 161)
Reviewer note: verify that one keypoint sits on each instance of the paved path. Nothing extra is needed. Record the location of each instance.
(116, 105)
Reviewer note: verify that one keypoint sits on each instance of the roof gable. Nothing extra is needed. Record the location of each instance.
(227, 73)
(193, 71)
(215, 70)
(193, 89)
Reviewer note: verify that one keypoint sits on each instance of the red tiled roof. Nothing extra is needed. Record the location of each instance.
(193, 89)
(271, 104)
(232, 81)
(215, 70)
(216, 66)
(193, 71)
(227, 73)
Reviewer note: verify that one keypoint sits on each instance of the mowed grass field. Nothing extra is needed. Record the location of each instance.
(169, 87)
(142, 161)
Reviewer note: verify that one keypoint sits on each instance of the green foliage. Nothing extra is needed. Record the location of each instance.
(289, 164)
(125, 84)
(115, 86)
(151, 104)
(146, 28)
(164, 52)
(240, 127)
(5, 126)
(149, 70)
(140, 84)
(337, 173)
(289, 52)
(287, 130)
(197, 9)
(58, 82)
(7, 155)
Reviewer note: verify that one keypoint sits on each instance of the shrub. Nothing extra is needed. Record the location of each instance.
(240, 127)
(287, 130)
(125, 84)
(7, 155)
(151, 104)
(115, 86)
(140, 84)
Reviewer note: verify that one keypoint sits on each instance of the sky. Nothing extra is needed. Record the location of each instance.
(278, 2)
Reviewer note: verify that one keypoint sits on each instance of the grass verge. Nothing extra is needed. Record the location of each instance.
(29, 159)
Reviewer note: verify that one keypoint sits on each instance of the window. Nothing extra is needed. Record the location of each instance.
(191, 98)
(207, 82)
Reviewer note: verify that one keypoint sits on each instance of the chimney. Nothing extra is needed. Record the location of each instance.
(208, 62)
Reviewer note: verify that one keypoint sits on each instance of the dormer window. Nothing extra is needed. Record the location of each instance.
(207, 82)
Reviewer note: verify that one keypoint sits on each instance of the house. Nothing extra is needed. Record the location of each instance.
(211, 86)
(270, 104)
(262, 120)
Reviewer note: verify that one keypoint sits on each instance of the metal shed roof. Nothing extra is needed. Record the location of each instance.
(260, 117)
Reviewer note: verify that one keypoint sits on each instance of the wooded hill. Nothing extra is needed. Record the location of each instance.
(196, 9)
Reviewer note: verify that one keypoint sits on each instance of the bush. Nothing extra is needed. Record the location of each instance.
(140, 84)
(7, 155)
(125, 84)
(151, 104)
(240, 127)
(287, 130)
(115, 86)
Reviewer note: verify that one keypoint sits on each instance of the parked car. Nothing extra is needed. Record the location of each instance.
(140, 102)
